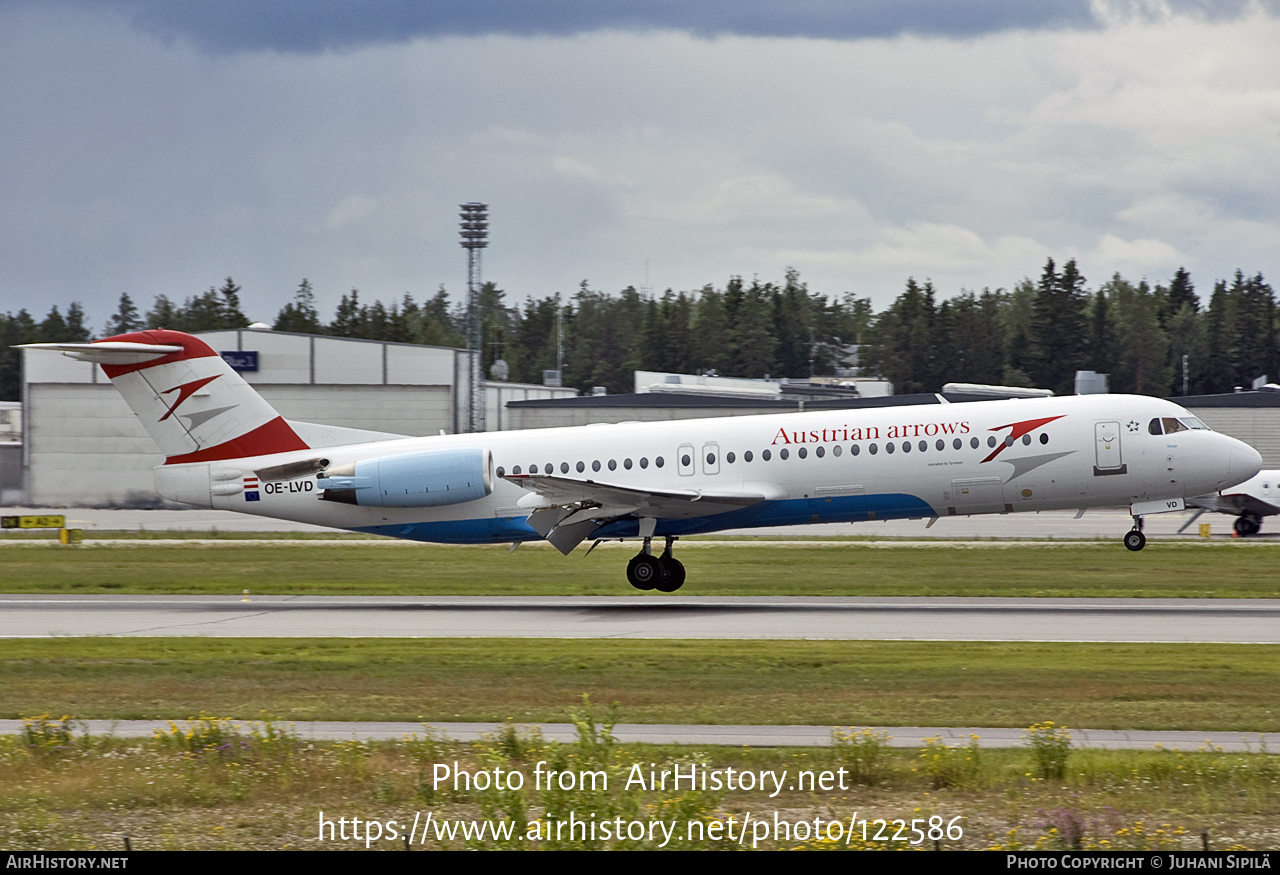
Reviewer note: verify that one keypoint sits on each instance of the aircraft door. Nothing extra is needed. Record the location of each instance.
(1106, 440)
(685, 461)
(711, 458)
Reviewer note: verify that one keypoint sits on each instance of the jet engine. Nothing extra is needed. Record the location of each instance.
(429, 478)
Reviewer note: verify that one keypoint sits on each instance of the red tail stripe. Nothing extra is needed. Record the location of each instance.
(192, 348)
(274, 437)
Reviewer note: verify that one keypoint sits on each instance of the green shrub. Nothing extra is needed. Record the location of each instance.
(1050, 747)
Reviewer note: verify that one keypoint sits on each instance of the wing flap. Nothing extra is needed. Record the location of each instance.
(566, 511)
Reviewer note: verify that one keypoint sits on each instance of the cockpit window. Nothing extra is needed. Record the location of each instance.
(1169, 424)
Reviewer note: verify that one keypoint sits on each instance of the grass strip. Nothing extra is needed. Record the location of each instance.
(816, 568)
(1102, 686)
(214, 784)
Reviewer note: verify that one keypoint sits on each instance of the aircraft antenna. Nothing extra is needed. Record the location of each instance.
(475, 236)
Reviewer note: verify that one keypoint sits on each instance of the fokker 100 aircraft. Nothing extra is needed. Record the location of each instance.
(226, 448)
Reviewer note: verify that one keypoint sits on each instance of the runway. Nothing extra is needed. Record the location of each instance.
(1236, 621)
(754, 736)
(1104, 523)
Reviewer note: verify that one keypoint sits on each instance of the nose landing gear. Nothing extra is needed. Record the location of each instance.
(664, 573)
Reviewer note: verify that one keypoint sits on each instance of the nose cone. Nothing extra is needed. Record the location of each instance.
(1245, 462)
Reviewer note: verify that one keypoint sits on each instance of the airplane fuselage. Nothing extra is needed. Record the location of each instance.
(826, 466)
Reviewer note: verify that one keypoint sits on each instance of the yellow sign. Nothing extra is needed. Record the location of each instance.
(33, 522)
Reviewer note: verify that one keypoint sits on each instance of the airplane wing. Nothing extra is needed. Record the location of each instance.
(566, 511)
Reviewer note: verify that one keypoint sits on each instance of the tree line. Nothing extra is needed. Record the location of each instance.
(1039, 333)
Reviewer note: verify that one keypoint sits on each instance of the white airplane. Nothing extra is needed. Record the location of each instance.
(226, 448)
(1249, 502)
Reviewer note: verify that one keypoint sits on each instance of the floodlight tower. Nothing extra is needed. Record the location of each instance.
(475, 236)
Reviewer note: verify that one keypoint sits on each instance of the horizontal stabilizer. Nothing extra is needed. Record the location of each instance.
(108, 352)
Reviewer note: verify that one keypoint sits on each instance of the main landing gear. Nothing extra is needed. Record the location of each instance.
(1247, 525)
(664, 573)
(1135, 540)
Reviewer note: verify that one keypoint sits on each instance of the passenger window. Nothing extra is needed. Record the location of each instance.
(784, 454)
(854, 450)
(888, 447)
(765, 455)
(746, 457)
(564, 467)
(644, 461)
(1026, 440)
(595, 466)
(802, 453)
(501, 471)
(627, 464)
(729, 458)
(873, 449)
(973, 442)
(659, 462)
(956, 444)
(836, 451)
(820, 452)
(1044, 438)
(581, 467)
(613, 465)
(941, 445)
(515, 470)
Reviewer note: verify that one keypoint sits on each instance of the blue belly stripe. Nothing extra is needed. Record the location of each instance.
(791, 512)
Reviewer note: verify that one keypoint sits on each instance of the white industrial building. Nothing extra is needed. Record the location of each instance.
(82, 445)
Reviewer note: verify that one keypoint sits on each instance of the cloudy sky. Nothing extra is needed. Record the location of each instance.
(158, 146)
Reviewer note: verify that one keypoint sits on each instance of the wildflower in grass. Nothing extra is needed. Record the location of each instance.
(947, 766)
(863, 752)
(42, 734)
(1050, 747)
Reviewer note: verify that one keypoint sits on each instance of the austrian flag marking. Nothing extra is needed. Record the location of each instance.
(251, 489)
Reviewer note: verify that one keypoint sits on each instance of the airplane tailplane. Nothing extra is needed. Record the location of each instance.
(194, 406)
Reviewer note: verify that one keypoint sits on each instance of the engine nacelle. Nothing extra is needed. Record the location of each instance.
(430, 478)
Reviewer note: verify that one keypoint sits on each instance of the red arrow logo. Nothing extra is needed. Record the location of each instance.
(1018, 430)
(185, 391)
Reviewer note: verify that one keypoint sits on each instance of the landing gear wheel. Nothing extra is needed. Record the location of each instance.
(1135, 540)
(1247, 525)
(673, 574)
(644, 571)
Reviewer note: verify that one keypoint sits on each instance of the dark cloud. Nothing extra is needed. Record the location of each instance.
(286, 25)
(290, 26)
